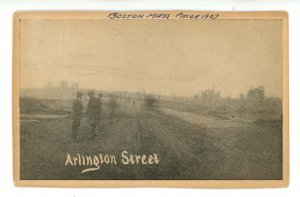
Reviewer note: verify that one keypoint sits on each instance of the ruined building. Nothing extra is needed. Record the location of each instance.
(208, 97)
(256, 93)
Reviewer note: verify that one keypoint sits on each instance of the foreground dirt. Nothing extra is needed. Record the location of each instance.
(186, 151)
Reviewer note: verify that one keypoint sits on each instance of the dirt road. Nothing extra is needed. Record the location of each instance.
(185, 150)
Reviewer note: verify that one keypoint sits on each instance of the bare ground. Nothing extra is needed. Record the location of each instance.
(186, 151)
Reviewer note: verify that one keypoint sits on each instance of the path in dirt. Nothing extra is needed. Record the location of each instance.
(185, 150)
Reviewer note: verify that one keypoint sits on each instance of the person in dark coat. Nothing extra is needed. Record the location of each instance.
(112, 104)
(93, 112)
(76, 115)
(100, 107)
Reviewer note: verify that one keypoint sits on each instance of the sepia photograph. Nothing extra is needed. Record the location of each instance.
(150, 99)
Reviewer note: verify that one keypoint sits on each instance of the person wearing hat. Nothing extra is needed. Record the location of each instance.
(93, 112)
(100, 95)
(76, 115)
(112, 104)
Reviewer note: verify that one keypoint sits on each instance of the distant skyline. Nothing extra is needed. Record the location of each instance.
(160, 56)
(70, 85)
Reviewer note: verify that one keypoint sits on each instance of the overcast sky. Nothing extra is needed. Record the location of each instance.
(160, 56)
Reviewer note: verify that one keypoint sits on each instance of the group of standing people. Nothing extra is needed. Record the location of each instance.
(94, 111)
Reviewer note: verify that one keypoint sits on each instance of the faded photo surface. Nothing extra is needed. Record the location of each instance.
(151, 99)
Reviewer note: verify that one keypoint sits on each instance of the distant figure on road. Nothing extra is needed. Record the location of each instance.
(112, 104)
(93, 112)
(76, 115)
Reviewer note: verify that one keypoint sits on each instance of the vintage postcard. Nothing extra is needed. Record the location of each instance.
(151, 99)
